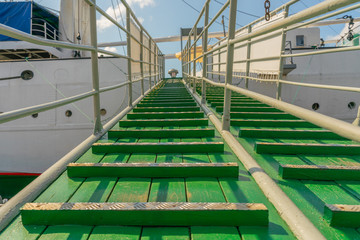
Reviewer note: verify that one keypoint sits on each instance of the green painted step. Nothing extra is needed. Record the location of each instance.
(219, 103)
(153, 170)
(167, 104)
(246, 104)
(250, 109)
(169, 93)
(169, 97)
(262, 115)
(221, 94)
(342, 215)
(288, 134)
(162, 147)
(221, 99)
(165, 115)
(165, 123)
(146, 214)
(271, 123)
(239, 100)
(181, 99)
(165, 109)
(168, 90)
(168, 100)
(317, 172)
(307, 148)
(162, 133)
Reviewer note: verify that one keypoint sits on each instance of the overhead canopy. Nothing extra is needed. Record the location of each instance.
(19, 15)
(16, 15)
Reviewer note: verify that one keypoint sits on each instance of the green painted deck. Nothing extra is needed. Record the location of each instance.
(317, 169)
(165, 174)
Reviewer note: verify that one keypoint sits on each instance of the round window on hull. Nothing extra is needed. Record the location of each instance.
(68, 113)
(351, 105)
(103, 112)
(27, 75)
(315, 106)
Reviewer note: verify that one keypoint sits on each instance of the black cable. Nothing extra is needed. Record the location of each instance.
(113, 5)
(327, 25)
(246, 13)
(198, 11)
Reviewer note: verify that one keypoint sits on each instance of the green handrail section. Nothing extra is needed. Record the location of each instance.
(163, 172)
(316, 168)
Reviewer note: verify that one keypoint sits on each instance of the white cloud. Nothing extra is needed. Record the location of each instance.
(141, 20)
(120, 11)
(110, 49)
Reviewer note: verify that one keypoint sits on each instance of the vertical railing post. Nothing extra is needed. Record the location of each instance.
(219, 65)
(282, 51)
(141, 61)
(45, 30)
(150, 63)
(95, 69)
(188, 61)
(194, 62)
(128, 41)
(205, 39)
(163, 67)
(155, 72)
(248, 56)
(229, 66)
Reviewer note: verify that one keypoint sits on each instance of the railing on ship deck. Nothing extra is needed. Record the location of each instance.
(155, 72)
(155, 63)
(251, 34)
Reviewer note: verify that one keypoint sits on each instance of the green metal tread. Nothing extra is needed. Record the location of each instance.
(145, 189)
(316, 168)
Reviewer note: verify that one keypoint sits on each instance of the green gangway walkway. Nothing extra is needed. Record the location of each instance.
(318, 169)
(164, 172)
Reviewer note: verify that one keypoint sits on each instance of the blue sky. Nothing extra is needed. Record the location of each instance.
(165, 18)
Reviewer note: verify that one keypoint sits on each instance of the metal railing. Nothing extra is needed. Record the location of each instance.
(245, 37)
(40, 27)
(251, 34)
(155, 64)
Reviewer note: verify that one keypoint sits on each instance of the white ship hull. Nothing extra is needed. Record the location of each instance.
(339, 69)
(31, 145)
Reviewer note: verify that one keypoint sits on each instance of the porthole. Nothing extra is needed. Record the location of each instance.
(35, 115)
(27, 75)
(351, 105)
(103, 112)
(315, 106)
(68, 113)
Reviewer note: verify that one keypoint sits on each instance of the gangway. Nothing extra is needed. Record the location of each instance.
(163, 172)
(193, 158)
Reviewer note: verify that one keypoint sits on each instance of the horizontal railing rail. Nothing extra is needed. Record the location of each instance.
(154, 74)
(279, 27)
(219, 68)
(155, 64)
